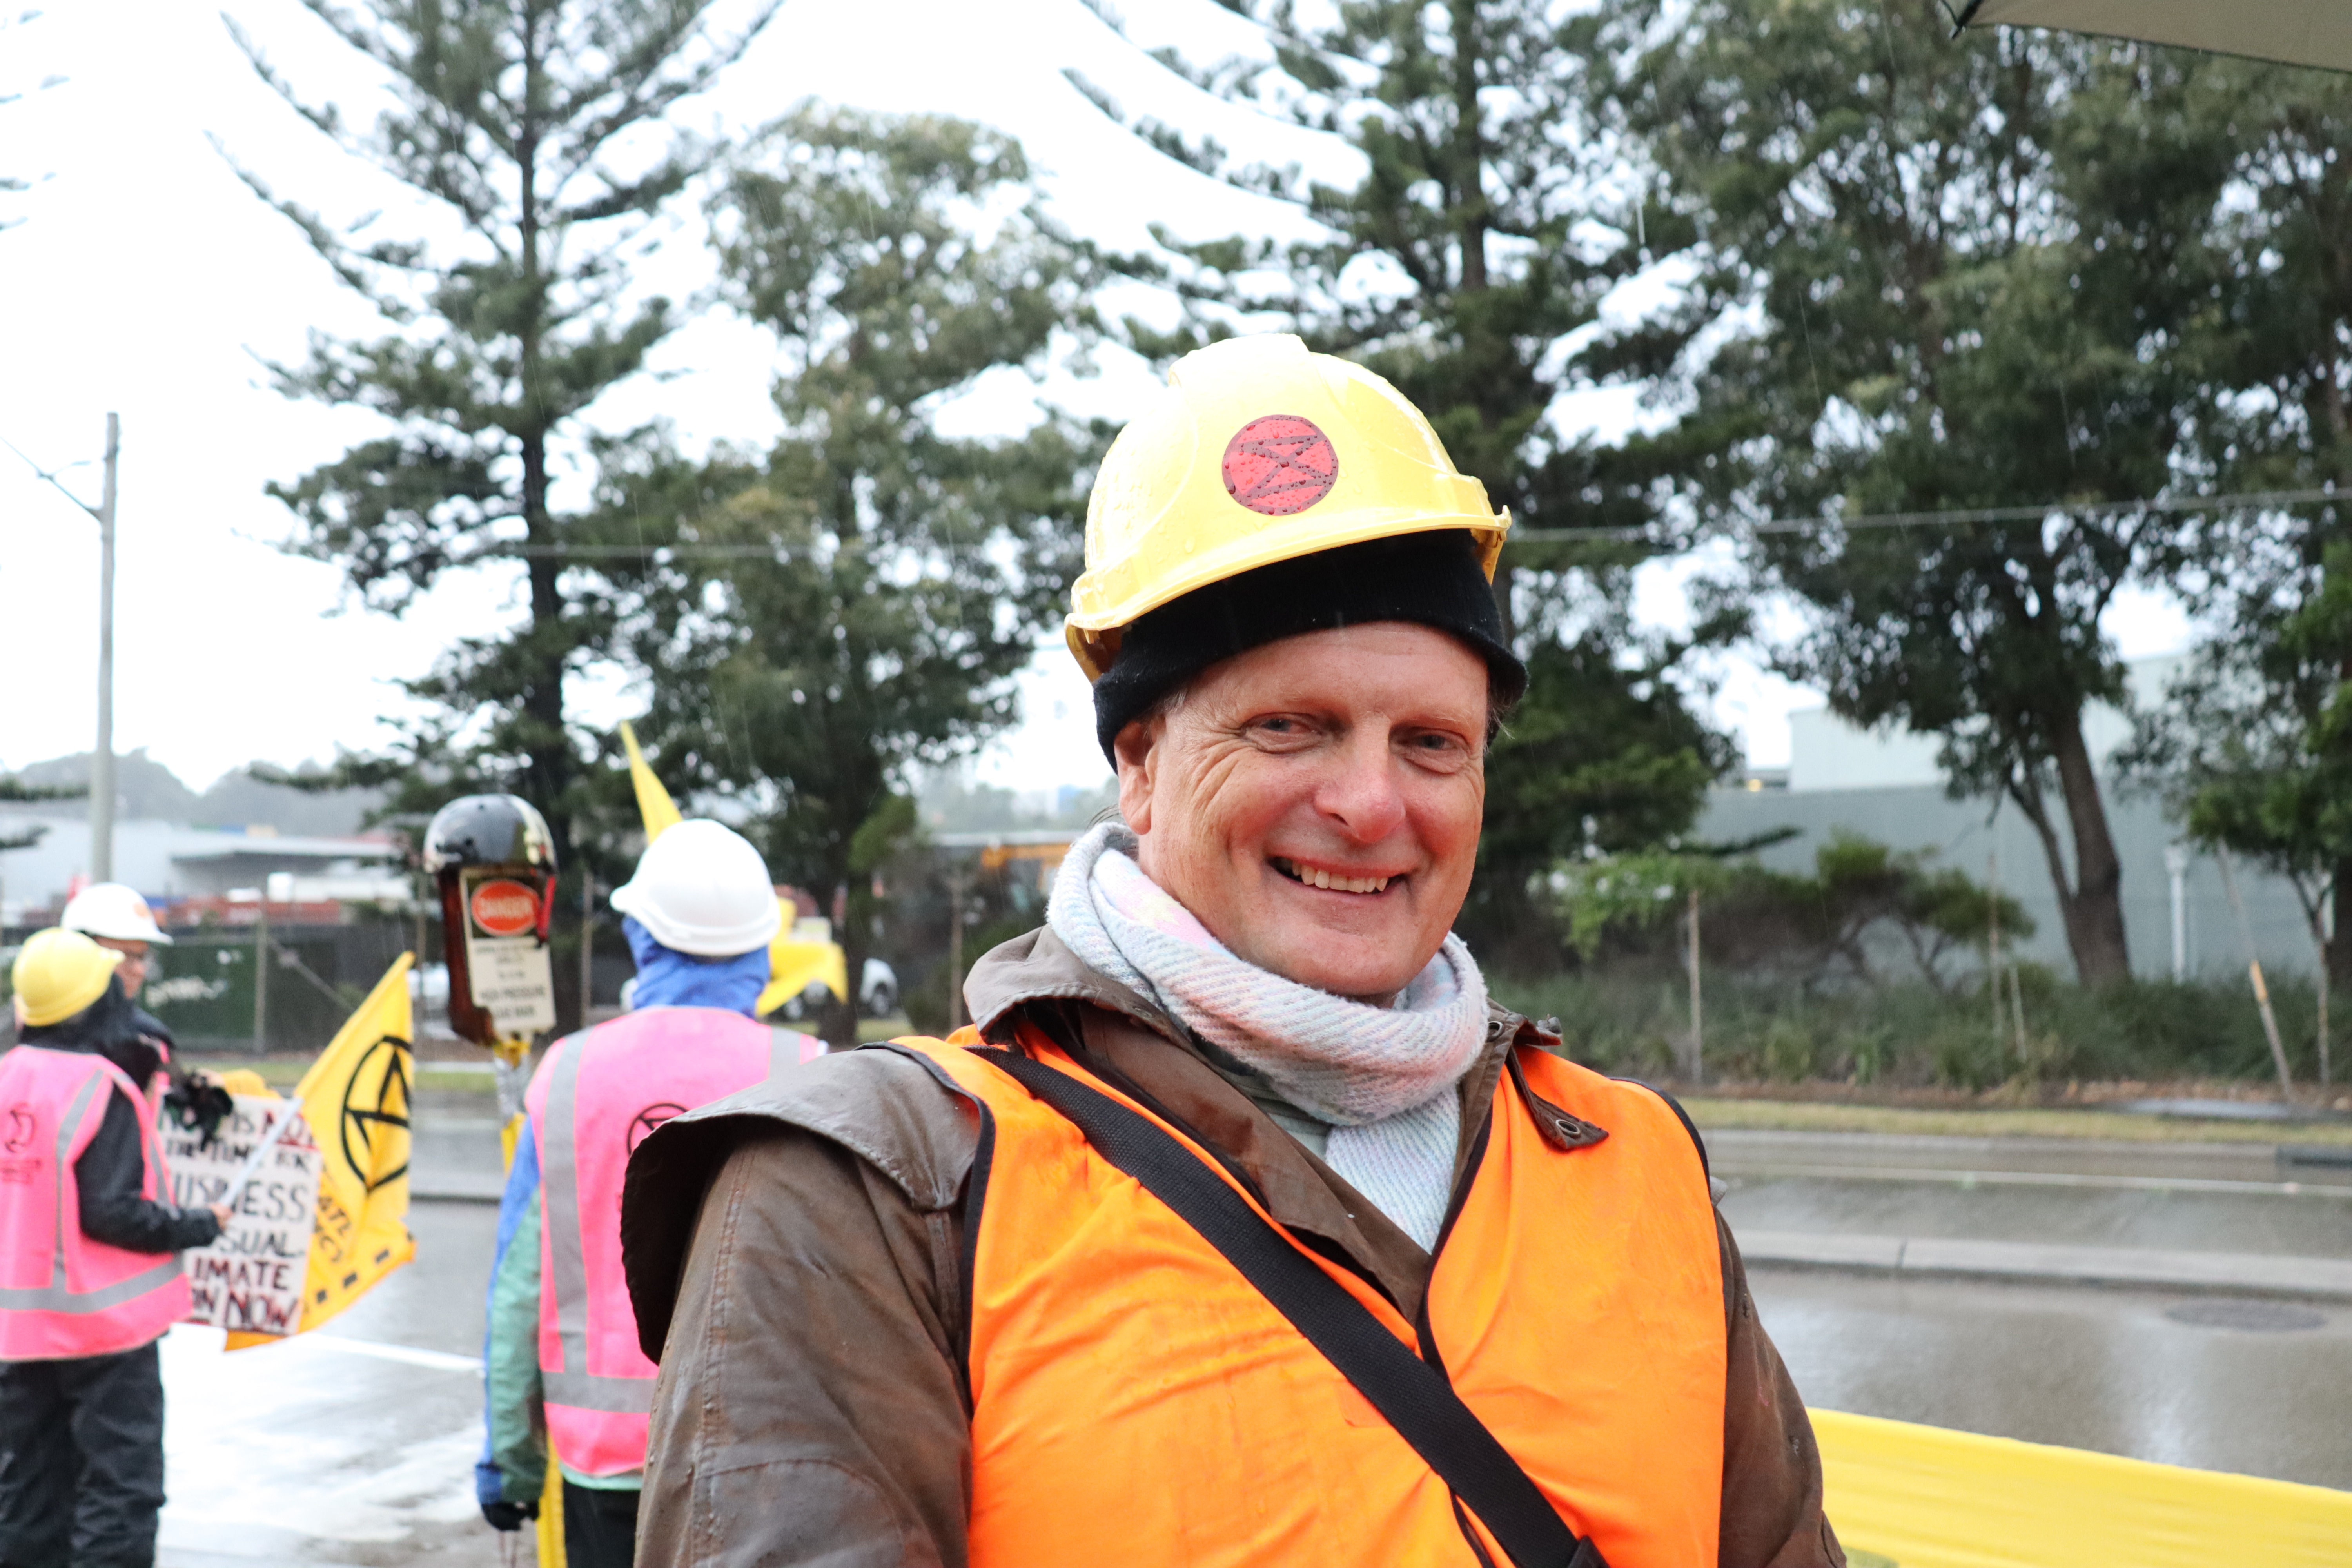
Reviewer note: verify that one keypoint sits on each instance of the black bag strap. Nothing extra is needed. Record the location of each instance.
(1414, 1396)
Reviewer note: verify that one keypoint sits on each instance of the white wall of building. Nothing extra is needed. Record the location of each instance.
(1825, 753)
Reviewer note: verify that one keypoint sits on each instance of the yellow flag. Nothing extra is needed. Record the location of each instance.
(793, 963)
(653, 803)
(355, 1099)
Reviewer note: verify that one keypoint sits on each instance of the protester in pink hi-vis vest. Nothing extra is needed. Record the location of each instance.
(64, 1293)
(561, 1356)
(591, 1102)
(88, 1273)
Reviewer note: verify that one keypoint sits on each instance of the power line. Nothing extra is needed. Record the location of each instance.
(50, 476)
(2234, 502)
(2240, 501)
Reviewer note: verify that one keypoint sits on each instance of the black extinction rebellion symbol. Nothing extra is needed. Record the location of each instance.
(651, 1117)
(365, 1124)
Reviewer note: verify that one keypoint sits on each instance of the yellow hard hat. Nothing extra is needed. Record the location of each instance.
(59, 973)
(1259, 451)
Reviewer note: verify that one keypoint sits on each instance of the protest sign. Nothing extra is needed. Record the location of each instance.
(250, 1280)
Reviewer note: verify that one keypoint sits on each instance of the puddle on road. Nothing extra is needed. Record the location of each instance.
(2250, 1317)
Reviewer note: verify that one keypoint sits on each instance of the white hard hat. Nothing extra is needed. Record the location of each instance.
(114, 912)
(700, 888)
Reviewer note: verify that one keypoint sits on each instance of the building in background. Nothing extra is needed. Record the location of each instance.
(1885, 784)
(193, 876)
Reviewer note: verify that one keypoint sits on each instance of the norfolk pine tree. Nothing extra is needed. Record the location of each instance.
(858, 598)
(12, 183)
(1468, 265)
(536, 126)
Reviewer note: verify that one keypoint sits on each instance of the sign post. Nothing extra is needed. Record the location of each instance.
(493, 862)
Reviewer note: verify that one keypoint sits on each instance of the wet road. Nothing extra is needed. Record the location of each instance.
(355, 1445)
(318, 1453)
(2312, 1223)
(2106, 1370)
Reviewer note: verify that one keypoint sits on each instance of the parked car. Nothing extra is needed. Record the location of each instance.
(878, 995)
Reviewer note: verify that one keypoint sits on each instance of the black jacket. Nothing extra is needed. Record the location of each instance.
(111, 1169)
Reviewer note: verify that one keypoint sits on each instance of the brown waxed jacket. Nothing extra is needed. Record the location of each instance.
(795, 1254)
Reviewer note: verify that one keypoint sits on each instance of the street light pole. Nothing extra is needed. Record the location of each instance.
(2176, 867)
(101, 761)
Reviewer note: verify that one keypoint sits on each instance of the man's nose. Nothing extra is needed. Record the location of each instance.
(1359, 791)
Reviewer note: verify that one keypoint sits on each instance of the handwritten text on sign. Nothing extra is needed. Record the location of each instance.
(251, 1280)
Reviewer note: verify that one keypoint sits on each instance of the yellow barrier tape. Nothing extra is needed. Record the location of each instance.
(1925, 1497)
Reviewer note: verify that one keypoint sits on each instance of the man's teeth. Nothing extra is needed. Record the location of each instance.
(1315, 878)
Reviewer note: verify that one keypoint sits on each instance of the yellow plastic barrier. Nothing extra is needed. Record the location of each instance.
(1924, 1497)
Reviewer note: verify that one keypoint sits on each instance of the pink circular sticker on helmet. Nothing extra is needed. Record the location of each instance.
(1279, 464)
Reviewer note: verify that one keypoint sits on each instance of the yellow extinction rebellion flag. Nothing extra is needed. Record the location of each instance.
(355, 1099)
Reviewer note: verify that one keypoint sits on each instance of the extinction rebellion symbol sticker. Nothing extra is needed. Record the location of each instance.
(505, 908)
(650, 1118)
(1280, 464)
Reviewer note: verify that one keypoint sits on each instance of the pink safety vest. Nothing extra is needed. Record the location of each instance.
(591, 1102)
(61, 1293)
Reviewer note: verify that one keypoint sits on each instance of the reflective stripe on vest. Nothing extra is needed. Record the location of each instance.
(670, 1058)
(81, 1310)
(1135, 1400)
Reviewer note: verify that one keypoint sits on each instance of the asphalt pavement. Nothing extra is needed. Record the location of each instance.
(2249, 1386)
(351, 1446)
(355, 1445)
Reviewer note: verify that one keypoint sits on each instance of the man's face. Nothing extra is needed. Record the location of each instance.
(132, 970)
(1315, 802)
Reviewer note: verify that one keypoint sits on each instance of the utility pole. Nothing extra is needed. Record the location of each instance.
(587, 941)
(2176, 867)
(955, 944)
(1992, 939)
(261, 976)
(101, 761)
(1696, 1070)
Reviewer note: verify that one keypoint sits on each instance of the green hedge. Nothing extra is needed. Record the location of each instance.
(1910, 1033)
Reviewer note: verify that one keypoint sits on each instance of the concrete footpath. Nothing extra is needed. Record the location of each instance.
(2240, 1219)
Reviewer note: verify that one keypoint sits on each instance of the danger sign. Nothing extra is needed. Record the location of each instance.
(507, 971)
(504, 908)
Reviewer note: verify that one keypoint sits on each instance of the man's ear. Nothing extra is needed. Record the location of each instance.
(1137, 751)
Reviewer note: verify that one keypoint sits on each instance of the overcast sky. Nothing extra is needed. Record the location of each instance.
(147, 280)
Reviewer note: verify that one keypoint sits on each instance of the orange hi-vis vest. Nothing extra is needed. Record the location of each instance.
(1134, 1399)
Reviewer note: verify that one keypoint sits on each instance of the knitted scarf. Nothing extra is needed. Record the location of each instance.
(1384, 1078)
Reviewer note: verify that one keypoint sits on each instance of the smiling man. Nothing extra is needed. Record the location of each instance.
(1242, 1227)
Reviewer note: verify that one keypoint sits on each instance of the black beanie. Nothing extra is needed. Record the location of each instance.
(1430, 579)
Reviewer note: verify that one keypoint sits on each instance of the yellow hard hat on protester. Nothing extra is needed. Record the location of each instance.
(59, 973)
(1272, 491)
